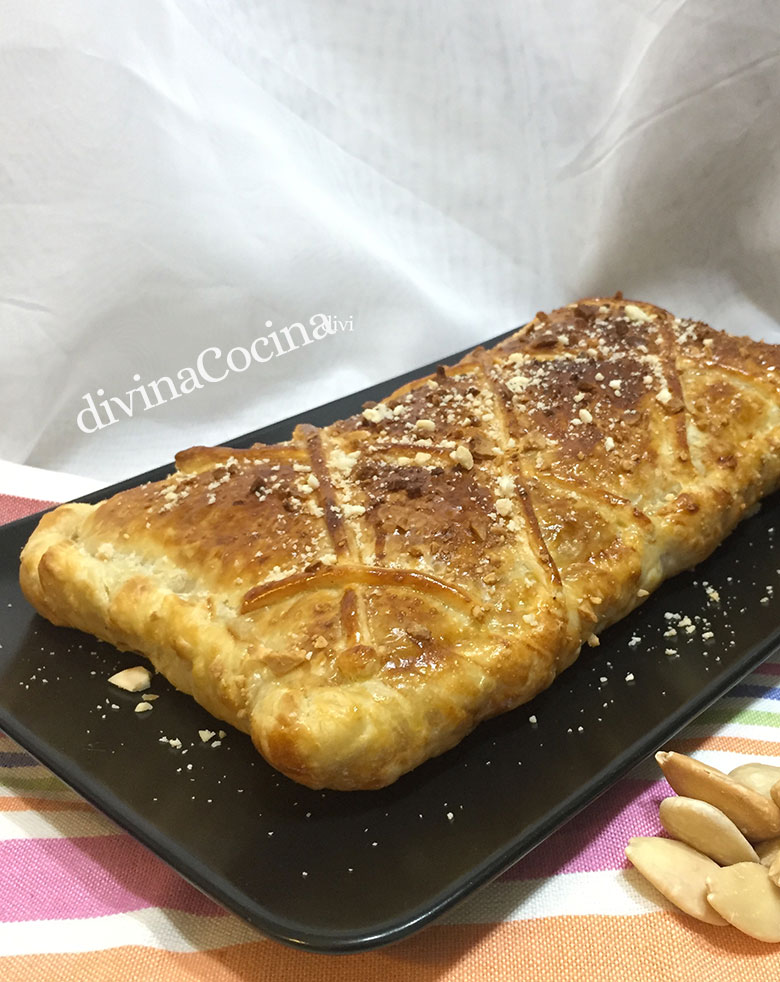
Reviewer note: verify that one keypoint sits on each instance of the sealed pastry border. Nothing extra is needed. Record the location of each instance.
(339, 871)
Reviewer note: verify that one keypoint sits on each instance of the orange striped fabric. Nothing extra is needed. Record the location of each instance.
(658, 946)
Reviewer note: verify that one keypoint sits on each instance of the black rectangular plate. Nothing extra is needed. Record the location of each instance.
(337, 871)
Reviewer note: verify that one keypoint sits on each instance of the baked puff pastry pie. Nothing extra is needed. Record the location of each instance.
(358, 598)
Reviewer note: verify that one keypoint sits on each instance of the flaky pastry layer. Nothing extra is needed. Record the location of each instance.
(358, 598)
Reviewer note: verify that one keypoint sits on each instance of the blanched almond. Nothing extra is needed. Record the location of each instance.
(677, 871)
(132, 679)
(767, 850)
(754, 815)
(745, 896)
(704, 827)
(760, 777)
(774, 871)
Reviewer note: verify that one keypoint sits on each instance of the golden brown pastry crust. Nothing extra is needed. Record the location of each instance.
(359, 598)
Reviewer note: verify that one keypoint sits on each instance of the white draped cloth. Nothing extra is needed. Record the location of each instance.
(413, 178)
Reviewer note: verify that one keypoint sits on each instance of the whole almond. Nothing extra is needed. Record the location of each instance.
(746, 897)
(754, 815)
(704, 827)
(758, 776)
(677, 871)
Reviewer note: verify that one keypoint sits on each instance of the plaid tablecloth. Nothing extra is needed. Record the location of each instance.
(81, 901)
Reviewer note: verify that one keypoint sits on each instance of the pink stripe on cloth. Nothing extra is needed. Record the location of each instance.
(768, 668)
(595, 839)
(12, 507)
(89, 877)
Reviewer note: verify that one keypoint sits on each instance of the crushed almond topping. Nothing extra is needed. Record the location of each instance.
(281, 662)
(609, 443)
(664, 396)
(462, 455)
(351, 510)
(206, 735)
(425, 425)
(637, 314)
(517, 383)
(708, 342)
(503, 506)
(585, 416)
(343, 462)
(421, 458)
(377, 413)
(643, 593)
(320, 642)
(593, 641)
(506, 485)
(144, 707)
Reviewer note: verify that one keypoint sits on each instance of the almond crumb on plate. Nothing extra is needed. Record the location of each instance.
(132, 679)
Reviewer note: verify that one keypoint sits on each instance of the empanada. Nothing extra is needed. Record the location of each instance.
(357, 599)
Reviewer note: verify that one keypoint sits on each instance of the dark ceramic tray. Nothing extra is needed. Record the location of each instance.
(336, 871)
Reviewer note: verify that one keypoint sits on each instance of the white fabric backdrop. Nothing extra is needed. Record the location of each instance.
(173, 173)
